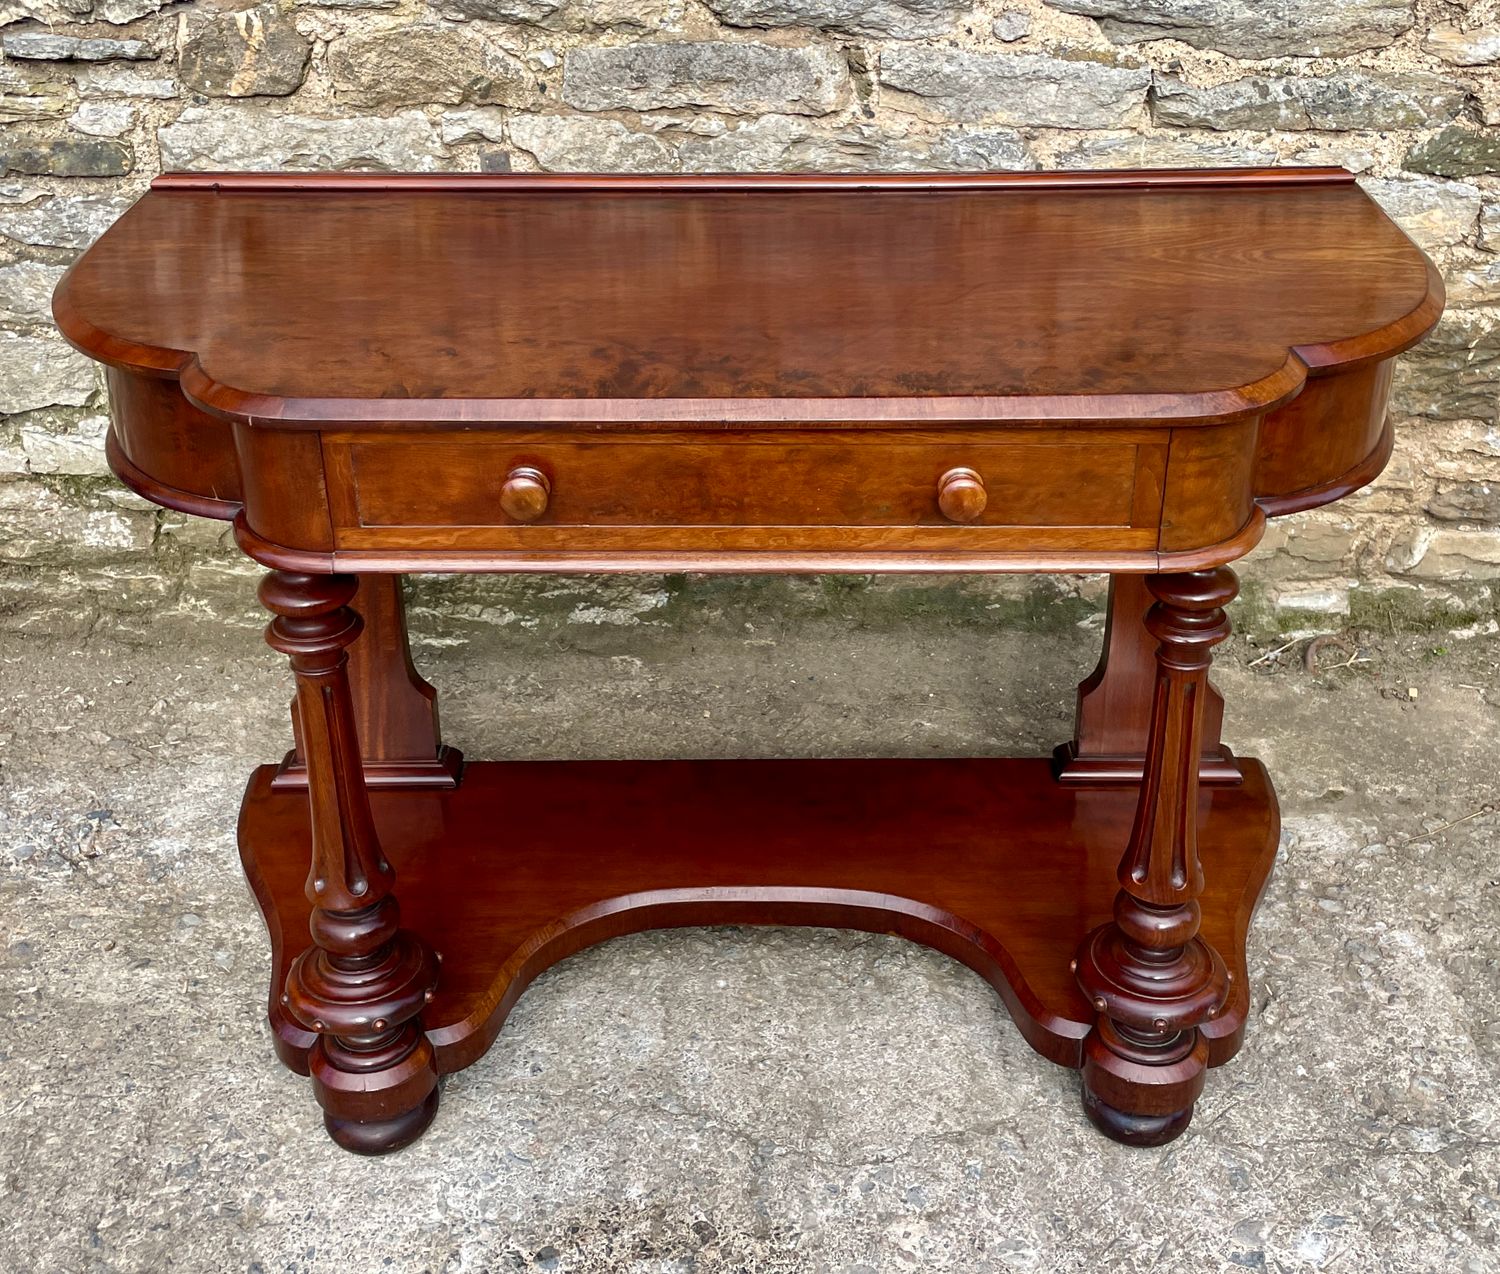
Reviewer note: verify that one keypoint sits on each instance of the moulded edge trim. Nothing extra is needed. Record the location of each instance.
(778, 183)
(158, 492)
(746, 561)
(1351, 480)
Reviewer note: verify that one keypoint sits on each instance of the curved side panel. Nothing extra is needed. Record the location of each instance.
(170, 451)
(1328, 441)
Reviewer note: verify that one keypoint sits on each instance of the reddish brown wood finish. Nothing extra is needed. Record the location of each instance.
(1123, 372)
(363, 982)
(169, 450)
(963, 494)
(1048, 490)
(1148, 973)
(673, 299)
(395, 710)
(1338, 433)
(525, 493)
(1114, 702)
(526, 863)
(660, 183)
(1240, 353)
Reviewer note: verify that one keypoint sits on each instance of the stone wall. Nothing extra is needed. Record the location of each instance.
(98, 95)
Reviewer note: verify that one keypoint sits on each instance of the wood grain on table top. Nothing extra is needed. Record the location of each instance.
(526, 299)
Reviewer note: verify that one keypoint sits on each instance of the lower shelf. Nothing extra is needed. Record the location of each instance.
(990, 861)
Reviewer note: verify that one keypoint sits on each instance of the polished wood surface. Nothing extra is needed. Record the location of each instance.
(525, 493)
(1114, 702)
(963, 494)
(363, 982)
(527, 862)
(395, 709)
(656, 374)
(840, 300)
(1043, 490)
(1152, 978)
(1126, 372)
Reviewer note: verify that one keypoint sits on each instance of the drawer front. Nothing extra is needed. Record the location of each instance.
(667, 491)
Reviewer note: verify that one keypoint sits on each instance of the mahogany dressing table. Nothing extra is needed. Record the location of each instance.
(1118, 372)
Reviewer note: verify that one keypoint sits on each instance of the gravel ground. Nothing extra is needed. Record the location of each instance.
(733, 1099)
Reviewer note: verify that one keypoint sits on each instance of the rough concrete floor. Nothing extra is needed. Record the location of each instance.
(737, 1100)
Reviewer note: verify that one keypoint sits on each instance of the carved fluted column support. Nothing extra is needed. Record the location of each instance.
(362, 984)
(1150, 976)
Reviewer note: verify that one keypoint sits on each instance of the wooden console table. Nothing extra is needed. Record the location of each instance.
(1121, 372)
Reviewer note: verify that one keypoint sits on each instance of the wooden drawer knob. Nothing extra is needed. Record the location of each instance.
(525, 493)
(961, 495)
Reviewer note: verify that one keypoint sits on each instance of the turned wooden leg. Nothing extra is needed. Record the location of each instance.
(1149, 975)
(362, 984)
(1114, 703)
(395, 709)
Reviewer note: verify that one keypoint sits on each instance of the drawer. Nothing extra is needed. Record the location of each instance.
(843, 489)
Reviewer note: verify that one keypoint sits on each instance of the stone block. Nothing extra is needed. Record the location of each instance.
(1344, 100)
(46, 46)
(1162, 150)
(569, 15)
(242, 136)
(1489, 227)
(1012, 25)
(625, 15)
(784, 143)
(121, 81)
(79, 452)
(37, 524)
(36, 102)
(120, 12)
(1456, 151)
(1291, 601)
(1450, 553)
(708, 74)
(531, 11)
(1253, 28)
(64, 221)
(1474, 284)
(244, 53)
(1436, 214)
(417, 66)
(1466, 502)
(1016, 89)
(102, 119)
(26, 289)
(1458, 450)
(568, 143)
(53, 12)
(478, 124)
(36, 155)
(1455, 373)
(42, 371)
(1320, 538)
(899, 19)
(197, 535)
(1478, 46)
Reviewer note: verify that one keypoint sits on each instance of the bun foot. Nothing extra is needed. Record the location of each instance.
(1135, 1130)
(381, 1136)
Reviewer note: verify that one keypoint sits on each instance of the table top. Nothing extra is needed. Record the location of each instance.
(1177, 297)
